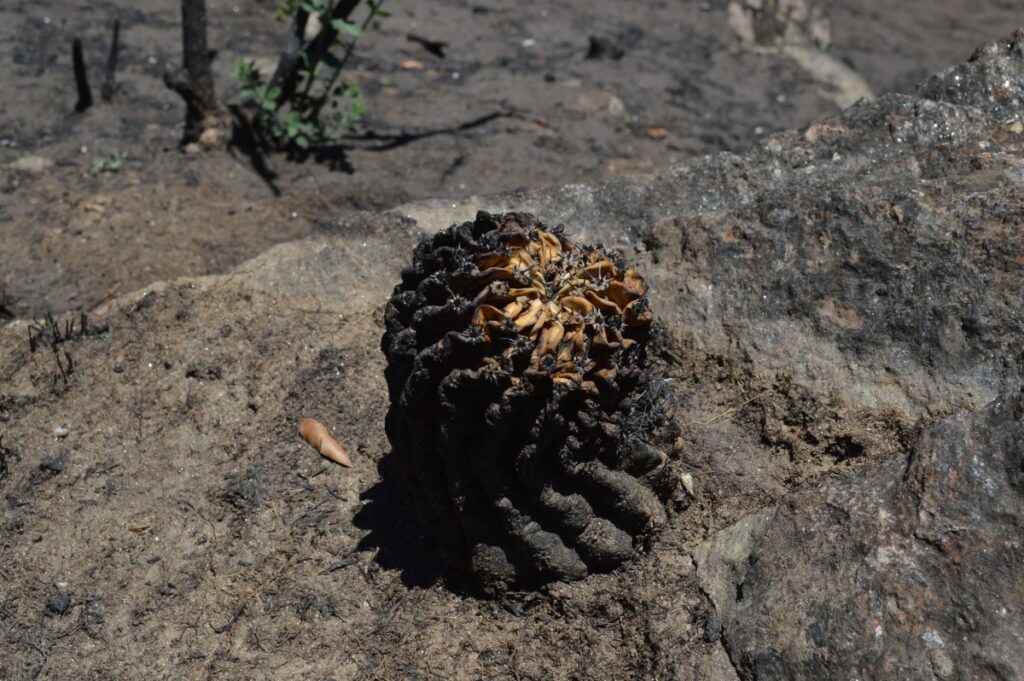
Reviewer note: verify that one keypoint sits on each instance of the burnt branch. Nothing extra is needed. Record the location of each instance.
(194, 82)
(81, 77)
(285, 75)
(51, 334)
(109, 86)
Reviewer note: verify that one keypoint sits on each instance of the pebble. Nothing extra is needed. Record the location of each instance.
(61, 432)
(31, 164)
(58, 604)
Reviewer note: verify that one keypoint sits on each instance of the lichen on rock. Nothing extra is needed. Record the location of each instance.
(524, 416)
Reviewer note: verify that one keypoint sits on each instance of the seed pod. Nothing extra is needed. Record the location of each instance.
(319, 438)
(523, 416)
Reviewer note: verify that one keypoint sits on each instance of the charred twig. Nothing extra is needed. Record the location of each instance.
(341, 565)
(291, 56)
(231, 620)
(434, 47)
(49, 333)
(297, 53)
(669, 355)
(109, 81)
(194, 82)
(65, 372)
(6, 453)
(317, 50)
(42, 663)
(81, 77)
(139, 414)
(256, 638)
(6, 304)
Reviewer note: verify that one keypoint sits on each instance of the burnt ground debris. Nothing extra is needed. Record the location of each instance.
(565, 119)
(844, 334)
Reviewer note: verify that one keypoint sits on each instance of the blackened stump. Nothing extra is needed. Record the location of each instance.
(523, 415)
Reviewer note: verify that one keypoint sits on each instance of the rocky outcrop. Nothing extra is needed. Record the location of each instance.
(861, 278)
(909, 570)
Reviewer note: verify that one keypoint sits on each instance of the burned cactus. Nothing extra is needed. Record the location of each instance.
(523, 416)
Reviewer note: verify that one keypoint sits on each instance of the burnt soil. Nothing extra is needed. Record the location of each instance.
(515, 102)
(206, 535)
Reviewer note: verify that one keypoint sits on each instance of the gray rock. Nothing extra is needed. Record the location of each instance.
(991, 79)
(58, 603)
(909, 570)
(31, 164)
(723, 560)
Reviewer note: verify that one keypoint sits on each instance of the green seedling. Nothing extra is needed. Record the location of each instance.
(323, 106)
(111, 163)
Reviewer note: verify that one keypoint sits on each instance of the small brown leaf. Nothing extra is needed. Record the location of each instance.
(656, 133)
(412, 64)
(320, 439)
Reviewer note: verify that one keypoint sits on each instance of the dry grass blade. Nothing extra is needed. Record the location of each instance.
(733, 410)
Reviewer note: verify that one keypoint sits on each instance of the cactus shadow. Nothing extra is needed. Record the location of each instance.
(389, 518)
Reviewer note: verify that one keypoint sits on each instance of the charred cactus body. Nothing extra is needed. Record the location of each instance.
(522, 412)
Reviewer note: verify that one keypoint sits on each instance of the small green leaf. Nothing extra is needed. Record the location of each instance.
(376, 11)
(301, 142)
(346, 28)
(106, 164)
(285, 9)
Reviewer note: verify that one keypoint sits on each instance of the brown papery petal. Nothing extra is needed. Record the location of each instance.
(497, 273)
(492, 260)
(487, 313)
(522, 259)
(634, 319)
(512, 310)
(531, 292)
(577, 304)
(633, 282)
(545, 315)
(603, 304)
(598, 269)
(619, 294)
(530, 317)
(550, 248)
(550, 337)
